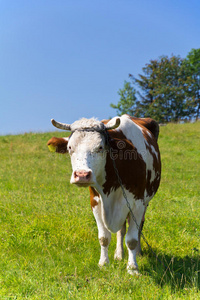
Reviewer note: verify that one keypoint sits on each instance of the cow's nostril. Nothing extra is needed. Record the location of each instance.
(88, 175)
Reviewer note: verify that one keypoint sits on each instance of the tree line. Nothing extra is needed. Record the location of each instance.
(168, 90)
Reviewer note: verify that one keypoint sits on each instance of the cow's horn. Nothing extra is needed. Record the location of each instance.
(61, 125)
(113, 126)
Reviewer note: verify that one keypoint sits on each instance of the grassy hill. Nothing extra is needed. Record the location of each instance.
(48, 236)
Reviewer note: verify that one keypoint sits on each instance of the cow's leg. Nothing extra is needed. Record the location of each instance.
(103, 234)
(138, 248)
(132, 238)
(119, 252)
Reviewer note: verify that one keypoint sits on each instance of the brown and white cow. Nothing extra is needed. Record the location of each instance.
(132, 144)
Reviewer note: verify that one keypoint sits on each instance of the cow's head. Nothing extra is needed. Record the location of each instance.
(87, 146)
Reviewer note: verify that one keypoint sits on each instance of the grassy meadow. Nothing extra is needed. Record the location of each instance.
(49, 247)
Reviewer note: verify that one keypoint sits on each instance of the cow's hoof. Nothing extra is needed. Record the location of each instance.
(103, 263)
(118, 256)
(133, 272)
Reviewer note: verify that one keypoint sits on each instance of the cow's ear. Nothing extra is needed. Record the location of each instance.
(58, 145)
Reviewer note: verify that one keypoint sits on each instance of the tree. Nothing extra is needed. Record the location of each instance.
(192, 63)
(168, 90)
(163, 88)
(127, 103)
(146, 85)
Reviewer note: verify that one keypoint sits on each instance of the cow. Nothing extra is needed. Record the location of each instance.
(116, 159)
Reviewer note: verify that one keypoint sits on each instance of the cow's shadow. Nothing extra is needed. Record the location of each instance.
(179, 273)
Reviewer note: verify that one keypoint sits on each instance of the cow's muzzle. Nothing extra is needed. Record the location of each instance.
(82, 178)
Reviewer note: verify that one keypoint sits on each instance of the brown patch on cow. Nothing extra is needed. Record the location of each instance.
(131, 168)
(132, 244)
(59, 143)
(103, 241)
(93, 193)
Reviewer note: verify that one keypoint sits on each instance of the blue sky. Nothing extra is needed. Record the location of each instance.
(67, 59)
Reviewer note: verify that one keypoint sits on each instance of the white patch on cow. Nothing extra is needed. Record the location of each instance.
(87, 123)
(147, 197)
(154, 151)
(115, 209)
(149, 133)
(150, 158)
(96, 198)
(150, 167)
(134, 134)
(83, 147)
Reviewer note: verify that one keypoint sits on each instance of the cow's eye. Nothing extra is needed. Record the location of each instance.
(70, 150)
(100, 149)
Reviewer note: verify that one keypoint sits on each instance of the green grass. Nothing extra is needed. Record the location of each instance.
(48, 236)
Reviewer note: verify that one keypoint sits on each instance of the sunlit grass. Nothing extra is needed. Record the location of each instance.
(48, 236)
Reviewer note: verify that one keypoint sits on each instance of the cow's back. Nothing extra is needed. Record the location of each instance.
(149, 124)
